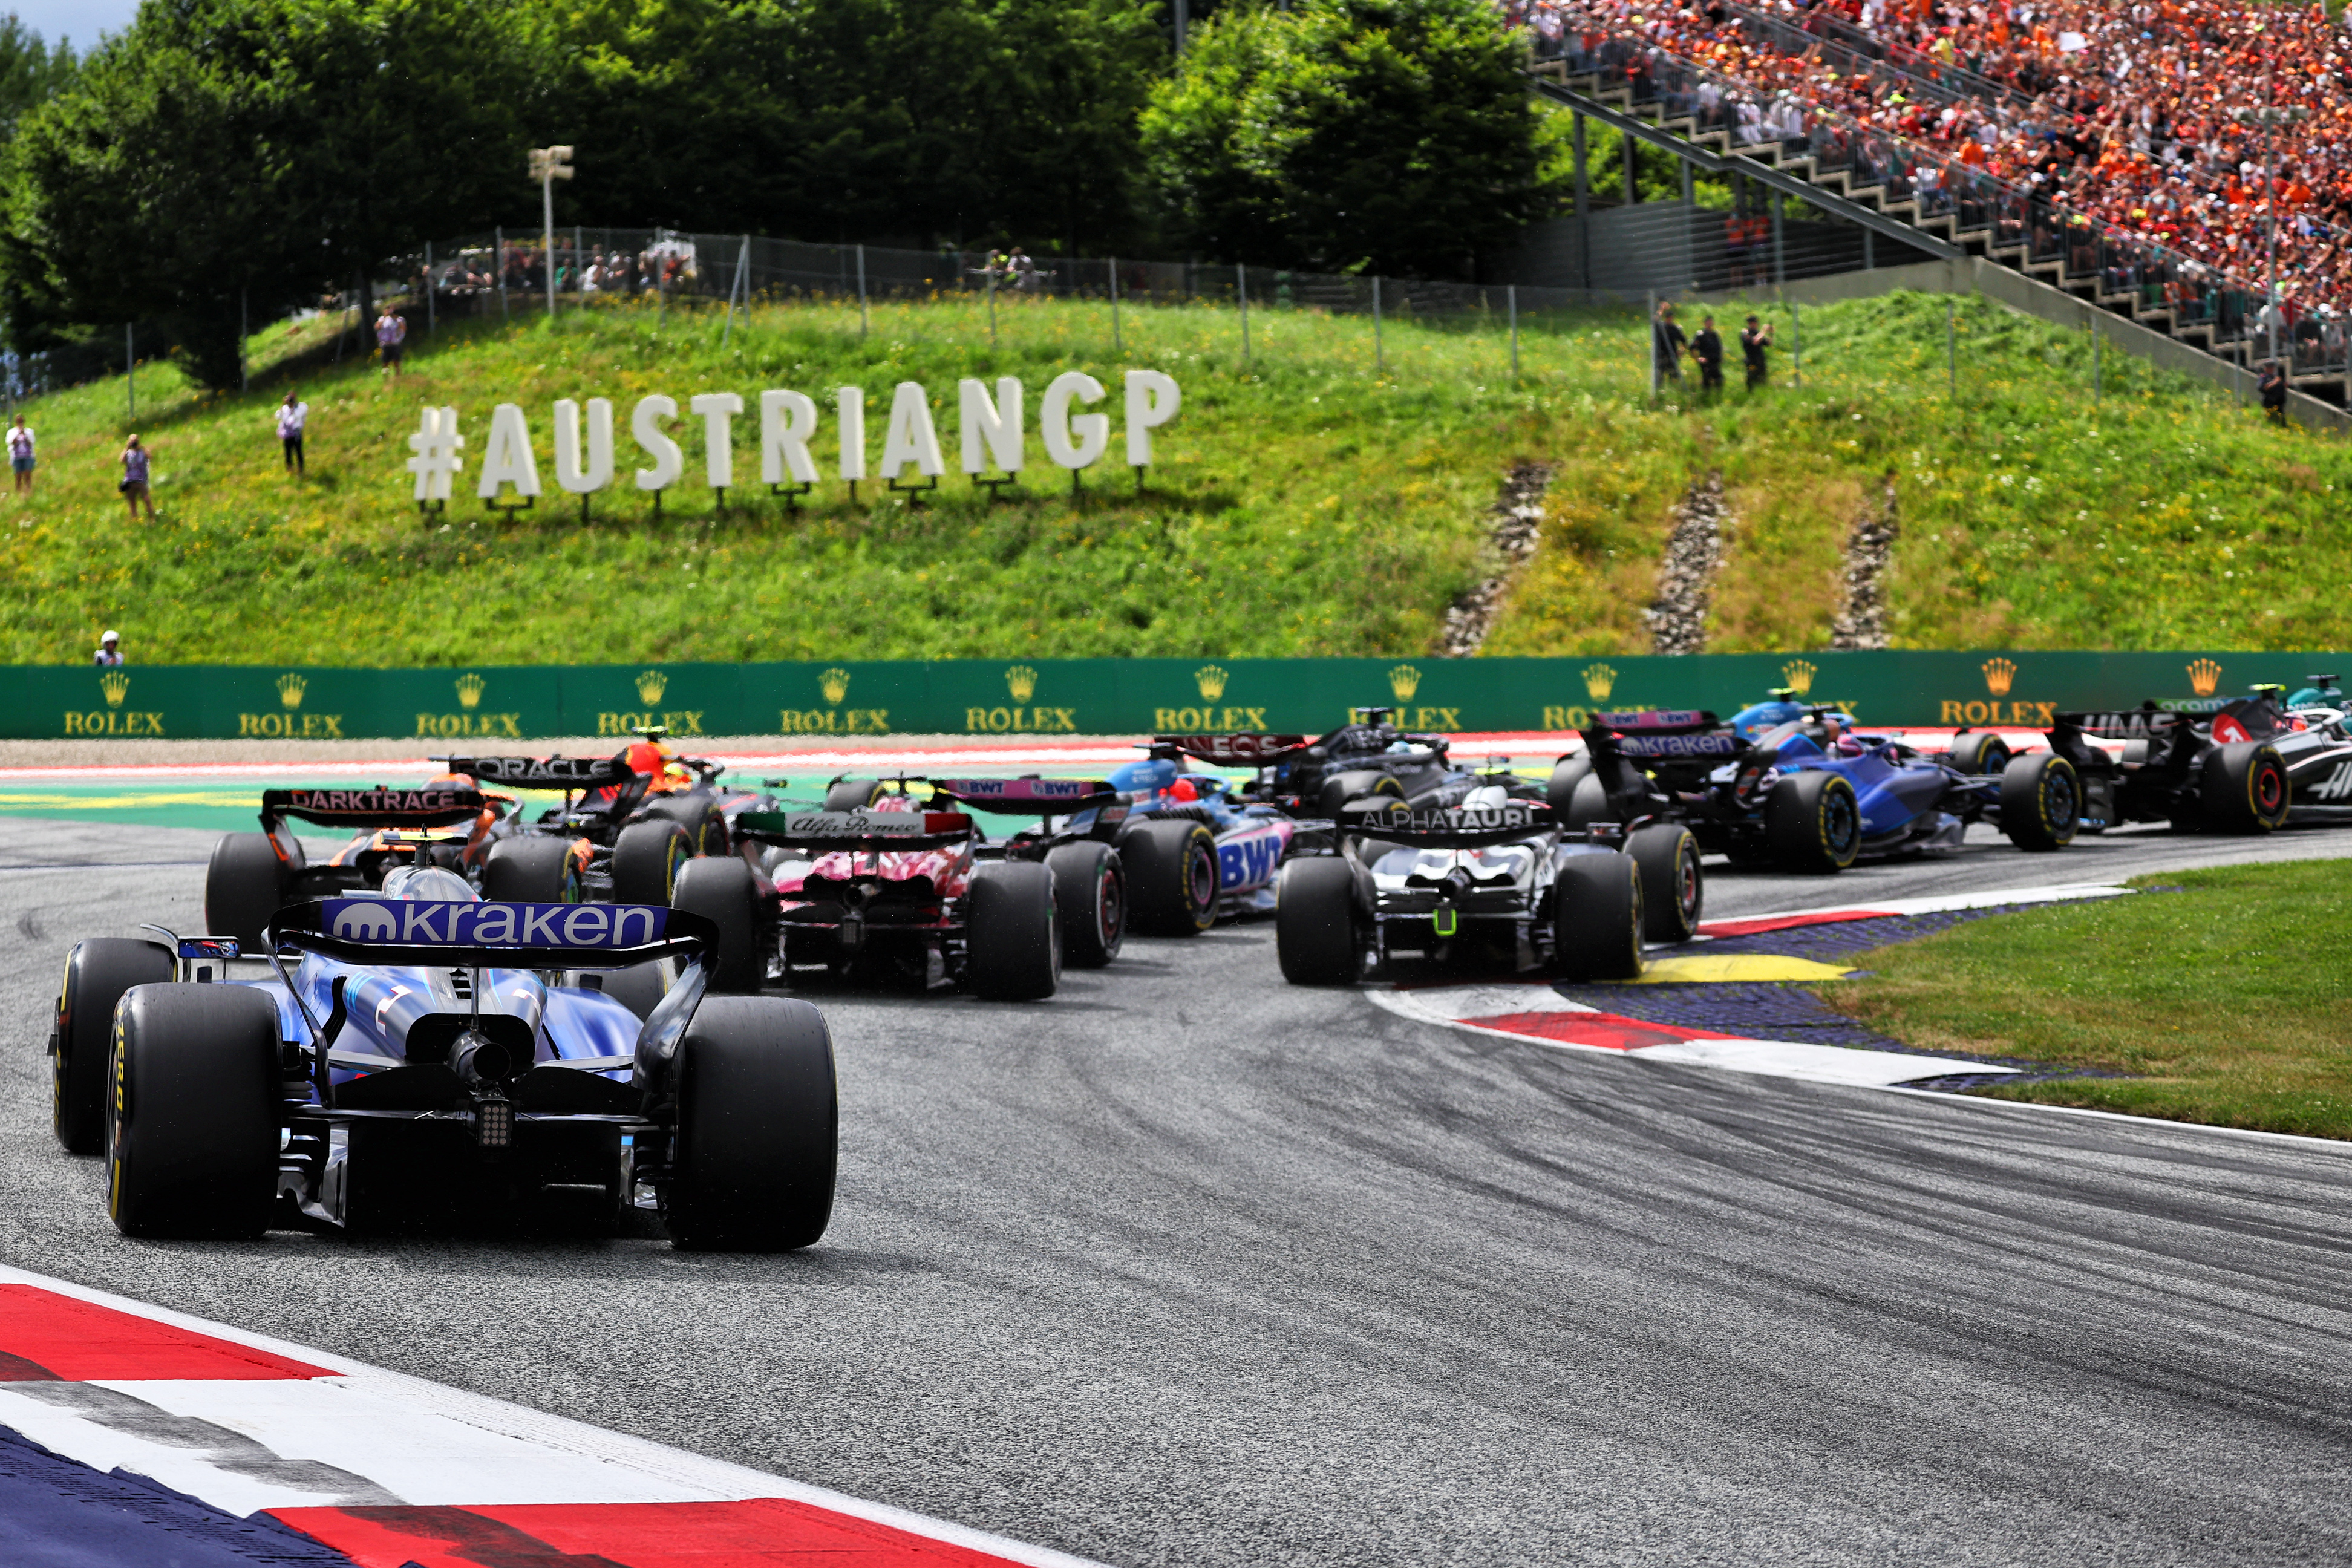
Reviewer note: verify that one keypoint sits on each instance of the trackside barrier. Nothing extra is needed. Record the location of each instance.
(1097, 695)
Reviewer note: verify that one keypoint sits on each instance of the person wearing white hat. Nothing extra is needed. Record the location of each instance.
(110, 649)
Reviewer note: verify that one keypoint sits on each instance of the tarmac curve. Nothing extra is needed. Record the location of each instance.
(1188, 1265)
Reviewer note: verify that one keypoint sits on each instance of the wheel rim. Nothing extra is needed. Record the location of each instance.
(2059, 807)
(1200, 880)
(1841, 823)
(2270, 787)
(1686, 881)
(1108, 914)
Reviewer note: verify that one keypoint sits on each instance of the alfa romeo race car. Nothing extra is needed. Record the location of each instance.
(431, 1059)
(2249, 767)
(1492, 881)
(895, 890)
(1808, 795)
(252, 874)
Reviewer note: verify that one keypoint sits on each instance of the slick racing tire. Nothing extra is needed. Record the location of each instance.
(1090, 896)
(532, 869)
(853, 795)
(1674, 889)
(1566, 774)
(1587, 803)
(697, 813)
(245, 883)
(191, 1134)
(1315, 922)
(1597, 917)
(2245, 788)
(639, 988)
(1980, 752)
(646, 858)
(1013, 932)
(757, 1134)
(1172, 876)
(724, 892)
(1813, 822)
(1340, 788)
(98, 971)
(2041, 801)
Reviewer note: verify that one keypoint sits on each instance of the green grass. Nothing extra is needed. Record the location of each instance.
(2227, 1002)
(1309, 499)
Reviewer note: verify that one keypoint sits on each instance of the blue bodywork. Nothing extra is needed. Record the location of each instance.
(1777, 709)
(1908, 799)
(1251, 839)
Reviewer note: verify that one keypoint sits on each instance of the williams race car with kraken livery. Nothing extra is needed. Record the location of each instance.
(428, 1058)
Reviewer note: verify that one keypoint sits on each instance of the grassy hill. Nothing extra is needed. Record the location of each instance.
(1305, 503)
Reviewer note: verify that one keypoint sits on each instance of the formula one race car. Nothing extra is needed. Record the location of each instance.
(1223, 850)
(638, 817)
(1492, 881)
(431, 1059)
(900, 891)
(2238, 770)
(1808, 794)
(1312, 777)
(252, 874)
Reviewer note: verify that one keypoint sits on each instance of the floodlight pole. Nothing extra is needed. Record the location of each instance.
(549, 165)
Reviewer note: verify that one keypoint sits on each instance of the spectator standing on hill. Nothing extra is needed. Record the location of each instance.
(134, 479)
(109, 651)
(1666, 342)
(391, 331)
(291, 414)
(20, 455)
(2272, 384)
(1753, 341)
(1707, 349)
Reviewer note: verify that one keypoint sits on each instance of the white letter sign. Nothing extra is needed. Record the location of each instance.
(506, 460)
(787, 420)
(578, 478)
(1057, 425)
(849, 412)
(911, 439)
(717, 445)
(646, 426)
(997, 424)
(1152, 401)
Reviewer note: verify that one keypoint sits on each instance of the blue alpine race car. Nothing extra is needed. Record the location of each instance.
(427, 1058)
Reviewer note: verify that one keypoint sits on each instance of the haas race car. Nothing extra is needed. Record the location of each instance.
(2252, 765)
(417, 1057)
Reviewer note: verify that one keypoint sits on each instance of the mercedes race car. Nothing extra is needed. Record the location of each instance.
(2249, 767)
(1313, 777)
(1494, 881)
(429, 1058)
(1808, 795)
(252, 874)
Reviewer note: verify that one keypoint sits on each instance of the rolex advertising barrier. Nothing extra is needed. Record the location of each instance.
(1102, 696)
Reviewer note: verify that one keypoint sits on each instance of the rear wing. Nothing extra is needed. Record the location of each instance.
(438, 806)
(2129, 724)
(1451, 827)
(1657, 721)
(544, 772)
(837, 830)
(1663, 735)
(1247, 749)
(1034, 797)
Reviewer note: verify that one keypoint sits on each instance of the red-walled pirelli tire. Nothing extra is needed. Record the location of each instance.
(724, 892)
(1597, 917)
(1674, 889)
(245, 883)
(757, 1140)
(192, 1117)
(2245, 788)
(1813, 822)
(1090, 893)
(1315, 922)
(98, 971)
(1172, 876)
(1013, 932)
(2041, 801)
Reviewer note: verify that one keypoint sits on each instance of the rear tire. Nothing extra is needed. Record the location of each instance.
(1674, 888)
(1315, 922)
(1012, 933)
(725, 893)
(853, 795)
(192, 1148)
(757, 1132)
(1588, 804)
(639, 988)
(1566, 774)
(1090, 896)
(697, 813)
(646, 856)
(98, 971)
(532, 869)
(1813, 822)
(2245, 788)
(1980, 752)
(1597, 917)
(1172, 876)
(1362, 785)
(244, 885)
(2041, 801)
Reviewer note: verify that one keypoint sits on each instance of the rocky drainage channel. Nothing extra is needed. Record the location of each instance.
(1514, 527)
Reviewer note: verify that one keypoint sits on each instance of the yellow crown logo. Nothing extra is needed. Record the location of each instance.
(291, 688)
(834, 684)
(116, 685)
(1999, 673)
(2204, 677)
(1022, 681)
(1798, 675)
(1405, 681)
(651, 685)
(1598, 681)
(469, 691)
(1213, 683)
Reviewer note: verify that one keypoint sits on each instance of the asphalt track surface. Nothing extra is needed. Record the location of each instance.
(1188, 1265)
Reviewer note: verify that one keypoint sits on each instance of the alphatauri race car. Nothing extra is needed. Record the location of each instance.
(1494, 882)
(2245, 768)
(431, 1060)
(1808, 795)
(897, 891)
(252, 874)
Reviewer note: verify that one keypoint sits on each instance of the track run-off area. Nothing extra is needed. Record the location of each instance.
(1189, 1266)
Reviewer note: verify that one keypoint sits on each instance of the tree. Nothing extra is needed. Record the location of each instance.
(30, 71)
(1380, 135)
